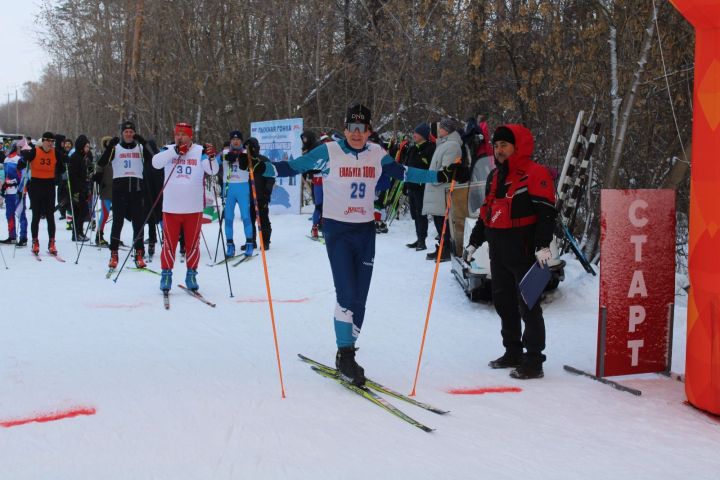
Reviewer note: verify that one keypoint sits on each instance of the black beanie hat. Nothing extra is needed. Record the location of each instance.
(48, 136)
(358, 113)
(503, 133)
(127, 124)
(236, 134)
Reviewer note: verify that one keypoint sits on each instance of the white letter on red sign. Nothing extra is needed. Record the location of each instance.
(638, 240)
(634, 220)
(637, 285)
(635, 345)
(636, 317)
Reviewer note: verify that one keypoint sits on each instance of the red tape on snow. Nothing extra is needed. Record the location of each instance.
(51, 417)
(484, 390)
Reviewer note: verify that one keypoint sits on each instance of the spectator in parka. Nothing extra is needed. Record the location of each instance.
(447, 151)
(419, 156)
(517, 220)
(78, 164)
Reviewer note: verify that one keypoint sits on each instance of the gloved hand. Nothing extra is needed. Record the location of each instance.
(232, 157)
(258, 168)
(139, 139)
(210, 150)
(447, 173)
(182, 149)
(469, 252)
(243, 161)
(543, 255)
(113, 141)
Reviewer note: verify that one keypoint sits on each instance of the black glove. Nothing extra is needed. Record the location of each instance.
(447, 173)
(233, 157)
(243, 161)
(139, 139)
(259, 168)
(113, 141)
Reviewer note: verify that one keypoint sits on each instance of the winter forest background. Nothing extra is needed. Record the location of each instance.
(222, 64)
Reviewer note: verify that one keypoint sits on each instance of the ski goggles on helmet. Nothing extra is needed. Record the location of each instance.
(360, 127)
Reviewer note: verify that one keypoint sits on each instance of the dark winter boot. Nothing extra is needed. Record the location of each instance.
(527, 372)
(433, 255)
(413, 244)
(348, 367)
(8, 241)
(508, 360)
(22, 242)
(191, 280)
(420, 245)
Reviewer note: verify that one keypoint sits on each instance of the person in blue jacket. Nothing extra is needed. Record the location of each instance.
(12, 190)
(351, 169)
(237, 193)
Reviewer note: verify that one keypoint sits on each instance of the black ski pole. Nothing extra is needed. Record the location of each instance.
(222, 238)
(86, 230)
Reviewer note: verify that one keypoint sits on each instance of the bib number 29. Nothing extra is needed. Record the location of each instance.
(357, 190)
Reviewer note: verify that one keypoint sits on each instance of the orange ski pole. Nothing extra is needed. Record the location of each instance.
(434, 282)
(264, 260)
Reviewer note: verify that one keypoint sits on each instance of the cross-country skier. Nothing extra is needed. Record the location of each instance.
(12, 191)
(128, 157)
(351, 169)
(185, 164)
(237, 193)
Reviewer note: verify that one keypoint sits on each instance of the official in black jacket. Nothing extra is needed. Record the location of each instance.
(419, 156)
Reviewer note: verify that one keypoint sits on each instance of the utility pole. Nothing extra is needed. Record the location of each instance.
(17, 113)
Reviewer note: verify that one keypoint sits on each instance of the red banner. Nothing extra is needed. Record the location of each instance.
(637, 281)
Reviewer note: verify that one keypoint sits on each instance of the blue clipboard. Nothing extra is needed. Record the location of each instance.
(533, 284)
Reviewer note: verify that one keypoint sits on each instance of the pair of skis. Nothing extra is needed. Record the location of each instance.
(317, 239)
(370, 392)
(192, 293)
(55, 256)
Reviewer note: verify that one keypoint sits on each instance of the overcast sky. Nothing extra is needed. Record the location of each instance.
(23, 58)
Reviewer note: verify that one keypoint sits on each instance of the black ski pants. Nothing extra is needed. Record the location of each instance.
(42, 203)
(509, 261)
(415, 198)
(128, 204)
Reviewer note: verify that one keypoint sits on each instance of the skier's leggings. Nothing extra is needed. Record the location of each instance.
(42, 202)
(238, 194)
(351, 250)
(317, 213)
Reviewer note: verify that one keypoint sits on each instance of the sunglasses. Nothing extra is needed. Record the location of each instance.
(360, 127)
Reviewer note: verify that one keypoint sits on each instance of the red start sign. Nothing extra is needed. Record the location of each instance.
(637, 281)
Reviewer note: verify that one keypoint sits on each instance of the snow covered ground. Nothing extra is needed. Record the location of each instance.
(193, 393)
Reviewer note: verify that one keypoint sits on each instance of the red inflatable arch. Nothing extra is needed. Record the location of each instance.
(702, 384)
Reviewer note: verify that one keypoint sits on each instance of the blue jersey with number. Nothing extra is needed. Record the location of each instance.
(350, 177)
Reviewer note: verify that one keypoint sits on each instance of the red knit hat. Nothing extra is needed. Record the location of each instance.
(185, 128)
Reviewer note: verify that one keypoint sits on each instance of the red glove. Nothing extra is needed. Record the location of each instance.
(182, 149)
(210, 150)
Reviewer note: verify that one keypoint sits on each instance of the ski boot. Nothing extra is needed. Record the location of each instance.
(314, 231)
(22, 242)
(191, 280)
(68, 226)
(381, 227)
(100, 240)
(230, 249)
(8, 241)
(348, 368)
(165, 280)
(139, 260)
(113, 259)
(249, 249)
(51, 247)
(36, 246)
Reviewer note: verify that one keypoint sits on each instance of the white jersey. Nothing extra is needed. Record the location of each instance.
(232, 172)
(127, 162)
(184, 176)
(349, 184)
